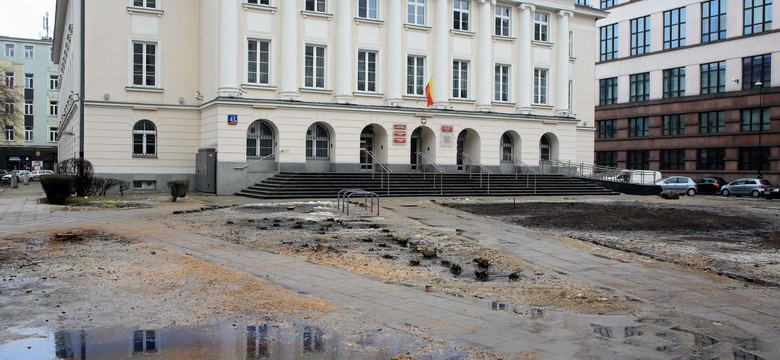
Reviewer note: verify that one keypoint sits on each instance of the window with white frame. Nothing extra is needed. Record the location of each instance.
(29, 51)
(259, 139)
(415, 75)
(53, 131)
(10, 50)
(503, 17)
(10, 108)
(149, 4)
(460, 15)
(258, 62)
(314, 66)
(541, 78)
(502, 76)
(315, 5)
(28, 133)
(54, 82)
(28, 81)
(28, 107)
(317, 142)
(10, 133)
(415, 12)
(541, 26)
(259, 2)
(144, 139)
(144, 63)
(460, 79)
(10, 79)
(54, 107)
(367, 9)
(366, 76)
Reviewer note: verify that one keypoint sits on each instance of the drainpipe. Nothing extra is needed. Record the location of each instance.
(81, 94)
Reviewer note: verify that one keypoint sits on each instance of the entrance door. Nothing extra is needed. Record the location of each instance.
(366, 144)
(459, 150)
(415, 144)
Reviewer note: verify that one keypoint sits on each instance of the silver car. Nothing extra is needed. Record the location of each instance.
(680, 184)
(746, 186)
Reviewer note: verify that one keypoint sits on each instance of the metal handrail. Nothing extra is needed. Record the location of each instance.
(383, 167)
(520, 164)
(591, 171)
(438, 168)
(266, 157)
(481, 167)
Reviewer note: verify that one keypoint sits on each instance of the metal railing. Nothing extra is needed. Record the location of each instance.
(383, 167)
(262, 158)
(607, 173)
(519, 164)
(437, 167)
(482, 169)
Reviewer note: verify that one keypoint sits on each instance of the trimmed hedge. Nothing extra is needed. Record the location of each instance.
(178, 188)
(58, 188)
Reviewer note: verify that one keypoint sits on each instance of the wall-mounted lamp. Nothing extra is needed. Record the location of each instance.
(736, 80)
(198, 95)
(423, 121)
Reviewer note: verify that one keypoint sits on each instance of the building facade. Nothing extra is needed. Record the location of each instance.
(689, 88)
(31, 140)
(228, 92)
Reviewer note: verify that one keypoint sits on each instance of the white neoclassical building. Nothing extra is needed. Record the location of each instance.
(227, 92)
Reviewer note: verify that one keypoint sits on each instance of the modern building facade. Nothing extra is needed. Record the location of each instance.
(689, 88)
(228, 92)
(31, 140)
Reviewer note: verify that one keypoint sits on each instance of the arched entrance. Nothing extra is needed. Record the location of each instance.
(548, 148)
(468, 143)
(318, 147)
(422, 141)
(373, 140)
(509, 152)
(260, 141)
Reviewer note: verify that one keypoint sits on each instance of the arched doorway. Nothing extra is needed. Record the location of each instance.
(509, 152)
(548, 148)
(468, 143)
(422, 141)
(318, 148)
(373, 140)
(260, 142)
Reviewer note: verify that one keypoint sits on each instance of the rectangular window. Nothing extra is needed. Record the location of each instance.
(674, 82)
(541, 26)
(29, 51)
(28, 81)
(674, 125)
(713, 20)
(415, 75)
(460, 79)
(10, 133)
(314, 67)
(315, 5)
(756, 69)
(367, 9)
(608, 3)
(10, 79)
(758, 16)
(753, 158)
(639, 89)
(54, 107)
(639, 127)
(606, 158)
(503, 17)
(144, 64)
(53, 134)
(151, 4)
(415, 12)
(608, 91)
(10, 50)
(672, 159)
(460, 15)
(54, 82)
(259, 2)
(10, 108)
(366, 76)
(713, 122)
(674, 28)
(258, 62)
(607, 129)
(713, 78)
(640, 35)
(28, 133)
(540, 86)
(502, 77)
(638, 159)
(711, 159)
(28, 107)
(754, 120)
(608, 42)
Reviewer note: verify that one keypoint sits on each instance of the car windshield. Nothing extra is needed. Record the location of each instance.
(765, 182)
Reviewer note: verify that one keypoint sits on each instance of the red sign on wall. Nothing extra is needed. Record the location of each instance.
(399, 140)
(399, 126)
(399, 133)
(446, 128)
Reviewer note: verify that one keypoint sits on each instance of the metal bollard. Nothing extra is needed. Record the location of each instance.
(14, 181)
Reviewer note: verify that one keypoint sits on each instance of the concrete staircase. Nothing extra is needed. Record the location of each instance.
(289, 185)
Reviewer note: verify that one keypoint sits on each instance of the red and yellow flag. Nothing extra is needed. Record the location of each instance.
(429, 91)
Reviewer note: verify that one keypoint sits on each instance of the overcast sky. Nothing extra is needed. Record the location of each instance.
(24, 18)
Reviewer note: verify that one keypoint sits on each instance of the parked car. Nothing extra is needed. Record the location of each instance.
(746, 186)
(36, 174)
(20, 173)
(636, 176)
(680, 184)
(772, 193)
(710, 184)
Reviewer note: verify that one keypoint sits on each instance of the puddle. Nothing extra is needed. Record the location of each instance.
(221, 341)
(603, 331)
(533, 313)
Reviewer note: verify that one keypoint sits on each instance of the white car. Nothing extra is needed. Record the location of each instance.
(36, 174)
(680, 184)
(20, 173)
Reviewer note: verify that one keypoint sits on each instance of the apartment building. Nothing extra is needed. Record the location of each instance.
(689, 88)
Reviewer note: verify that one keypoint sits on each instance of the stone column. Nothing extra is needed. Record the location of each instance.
(228, 49)
(562, 65)
(525, 74)
(395, 61)
(484, 59)
(343, 93)
(288, 86)
(441, 64)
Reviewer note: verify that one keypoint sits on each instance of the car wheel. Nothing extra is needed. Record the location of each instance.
(755, 194)
(691, 192)
(725, 193)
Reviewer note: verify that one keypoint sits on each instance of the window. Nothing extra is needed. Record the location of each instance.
(608, 44)
(144, 64)
(541, 26)
(674, 82)
(608, 91)
(315, 5)
(415, 75)
(503, 17)
(540, 86)
(507, 148)
(711, 159)
(53, 134)
(144, 184)
(753, 158)
(756, 68)
(367, 9)
(606, 158)
(144, 342)
(259, 2)
(144, 139)
(317, 142)
(28, 133)
(28, 107)
(10, 133)
(755, 119)
(366, 76)
(639, 87)
(758, 16)
(713, 122)
(607, 129)
(259, 139)
(10, 108)
(258, 62)
(638, 127)
(608, 3)
(415, 12)
(638, 159)
(672, 159)
(29, 51)
(545, 149)
(713, 20)
(54, 107)
(674, 28)
(502, 76)
(640, 35)
(28, 81)
(713, 78)
(314, 68)
(54, 82)
(460, 15)
(10, 79)
(460, 79)
(673, 125)
(10, 50)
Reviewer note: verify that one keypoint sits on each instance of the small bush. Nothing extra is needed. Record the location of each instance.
(123, 186)
(178, 188)
(81, 170)
(57, 188)
(96, 186)
(108, 184)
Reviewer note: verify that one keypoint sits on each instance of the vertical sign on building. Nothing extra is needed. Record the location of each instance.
(446, 134)
(399, 133)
